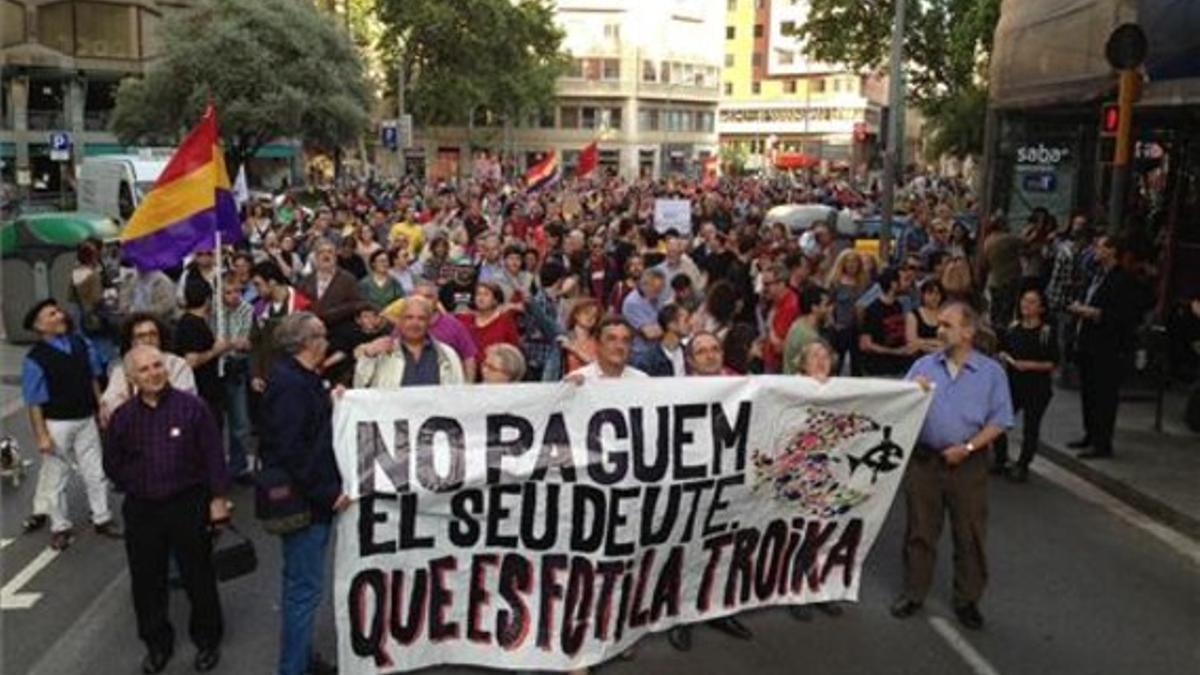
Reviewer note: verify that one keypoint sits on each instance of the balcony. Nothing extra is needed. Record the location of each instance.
(46, 120)
(96, 120)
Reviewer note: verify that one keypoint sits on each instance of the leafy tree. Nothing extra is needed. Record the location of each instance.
(947, 46)
(273, 68)
(472, 59)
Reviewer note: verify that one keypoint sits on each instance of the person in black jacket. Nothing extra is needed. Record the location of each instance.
(1029, 351)
(297, 436)
(1107, 315)
(665, 358)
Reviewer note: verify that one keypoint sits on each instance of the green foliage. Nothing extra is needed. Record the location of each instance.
(273, 68)
(956, 123)
(947, 47)
(495, 56)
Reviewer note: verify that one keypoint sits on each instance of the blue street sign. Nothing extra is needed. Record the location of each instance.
(60, 140)
(389, 137)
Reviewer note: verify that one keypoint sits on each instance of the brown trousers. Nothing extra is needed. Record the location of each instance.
(931, 488)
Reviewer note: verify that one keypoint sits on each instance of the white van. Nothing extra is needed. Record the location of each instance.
(113, 185)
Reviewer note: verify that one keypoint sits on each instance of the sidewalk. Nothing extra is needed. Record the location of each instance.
(1157, 473)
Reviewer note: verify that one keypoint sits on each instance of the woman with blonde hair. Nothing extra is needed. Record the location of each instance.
(847, 281)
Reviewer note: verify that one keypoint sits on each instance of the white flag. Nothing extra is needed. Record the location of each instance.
(241, 193)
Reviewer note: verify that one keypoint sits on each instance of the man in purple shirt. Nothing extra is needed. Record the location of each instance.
(163, 450)
(948, 469)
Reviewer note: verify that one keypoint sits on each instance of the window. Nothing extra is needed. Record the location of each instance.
(729, 89)
(731, 5)
(106, 31)
(758, 30)
(543, 119)
(756, 88)
(575, 69)
(816, 85)
(786, 58)
(612, 31)
(570, 117)
(787, 27)
(789, 86)
(12, 23)
(837, 85)
(756, 60)
(649, 73)
(56, 27)
(612, 69)
(589, 118)
(729, 60)
(730, 32)
(614, 117)
(648, 119)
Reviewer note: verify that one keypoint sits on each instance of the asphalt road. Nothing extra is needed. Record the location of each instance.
(1075, 588)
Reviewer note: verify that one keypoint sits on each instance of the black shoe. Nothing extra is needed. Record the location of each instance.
(109, 529)
(1080, 444)
(1019, 474)
(680, 638)
(732, 627)
(319, 666)
(1095, 454)
(35, 522)
(831, 609)
(969, 616)
(904, 608)
(207, 659)
(801, 612)
(156, 661)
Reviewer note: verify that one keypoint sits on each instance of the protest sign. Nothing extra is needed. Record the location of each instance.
(673, 214)
(550, 526)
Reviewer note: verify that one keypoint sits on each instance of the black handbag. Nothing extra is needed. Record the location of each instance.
(233, 556)
(281, 509)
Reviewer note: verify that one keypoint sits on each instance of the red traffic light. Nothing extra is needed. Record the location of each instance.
(1110, 119)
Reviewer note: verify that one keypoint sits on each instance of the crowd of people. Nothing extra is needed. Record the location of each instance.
(402, 285)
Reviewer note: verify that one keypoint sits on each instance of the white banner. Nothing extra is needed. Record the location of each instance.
(673, 214)
(550, 526)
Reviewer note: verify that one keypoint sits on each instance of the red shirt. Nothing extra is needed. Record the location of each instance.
(784, 312)
(501, 329)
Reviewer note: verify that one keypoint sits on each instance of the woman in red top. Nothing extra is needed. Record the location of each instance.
(491, 322)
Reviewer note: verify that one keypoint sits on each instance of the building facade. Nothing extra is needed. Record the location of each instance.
(775, 100)
(61, 62)
(644, 84)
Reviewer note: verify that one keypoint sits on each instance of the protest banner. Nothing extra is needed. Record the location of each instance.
(673, 214)
(550, 526)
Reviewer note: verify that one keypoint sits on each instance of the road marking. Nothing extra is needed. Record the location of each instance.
(5, 542)
(1079, 487)
(73, 651)
(10, 595)
(973, 659)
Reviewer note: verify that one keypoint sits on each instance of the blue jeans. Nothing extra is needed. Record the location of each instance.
(237, 414)
(303, 580)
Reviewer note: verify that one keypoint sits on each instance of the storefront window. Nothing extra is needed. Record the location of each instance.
(56, 27)
(106, 31)
(12, 23)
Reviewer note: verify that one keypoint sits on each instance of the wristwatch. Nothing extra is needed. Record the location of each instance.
(969, 446)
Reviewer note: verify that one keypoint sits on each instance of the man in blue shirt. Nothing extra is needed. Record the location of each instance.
(59, 382)
(641, 307)
(948, 469)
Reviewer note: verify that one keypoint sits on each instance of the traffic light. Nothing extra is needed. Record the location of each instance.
(1110, 119)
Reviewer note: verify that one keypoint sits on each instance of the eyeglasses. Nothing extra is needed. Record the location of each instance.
(144, 334)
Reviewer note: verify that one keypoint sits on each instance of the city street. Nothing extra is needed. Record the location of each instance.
(1079, 584)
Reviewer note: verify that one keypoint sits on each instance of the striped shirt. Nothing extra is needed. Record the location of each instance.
(158, 452)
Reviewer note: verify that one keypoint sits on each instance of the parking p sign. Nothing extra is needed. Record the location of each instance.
(60, 146)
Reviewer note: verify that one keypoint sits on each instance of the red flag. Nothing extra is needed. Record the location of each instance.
(589, 157)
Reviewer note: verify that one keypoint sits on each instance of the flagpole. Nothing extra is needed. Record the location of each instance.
(219, 300)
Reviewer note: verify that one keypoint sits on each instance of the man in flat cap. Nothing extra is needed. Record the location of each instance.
(60, 385)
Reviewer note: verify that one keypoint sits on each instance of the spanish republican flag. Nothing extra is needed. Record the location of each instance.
(190, 202)
(543, 174)
(589, 157)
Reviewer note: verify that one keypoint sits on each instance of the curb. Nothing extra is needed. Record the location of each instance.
(1152, 507)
